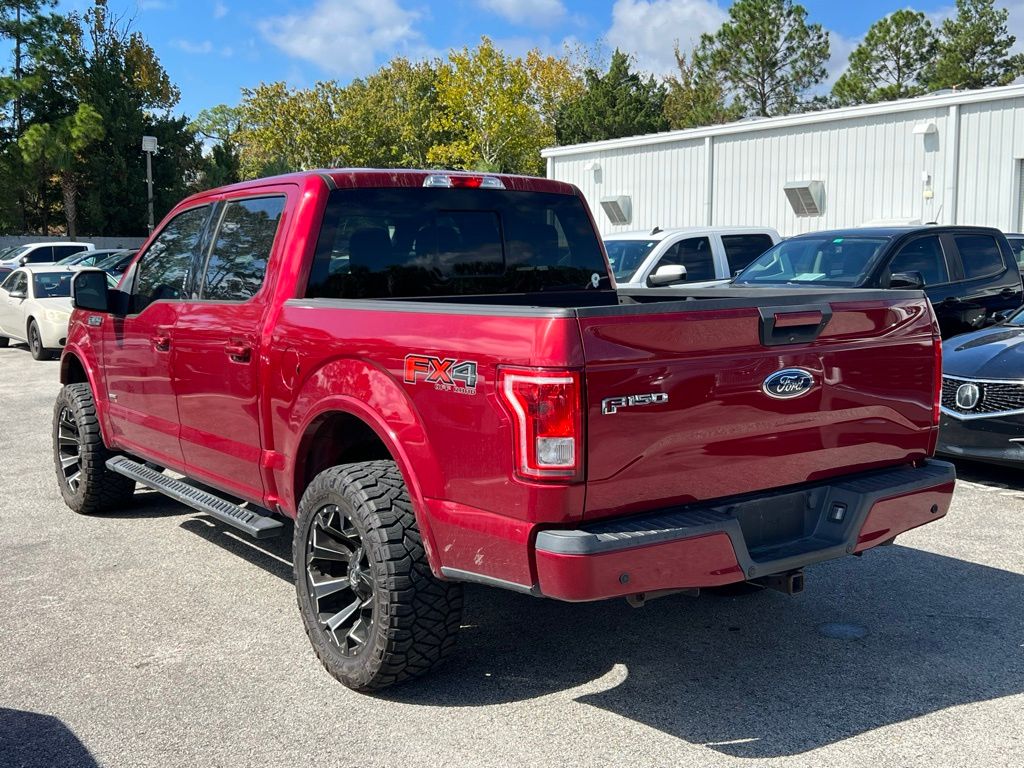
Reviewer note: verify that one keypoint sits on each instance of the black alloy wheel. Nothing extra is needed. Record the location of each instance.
(69, 449)
(341, 586)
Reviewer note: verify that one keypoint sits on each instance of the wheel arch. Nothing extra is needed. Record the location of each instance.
(343, 429)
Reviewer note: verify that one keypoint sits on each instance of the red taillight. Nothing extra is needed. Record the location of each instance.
(547, 421)
(937, 401)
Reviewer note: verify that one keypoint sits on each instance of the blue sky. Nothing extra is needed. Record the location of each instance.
(213, 48)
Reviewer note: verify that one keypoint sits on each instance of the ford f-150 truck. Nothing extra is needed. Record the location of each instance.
(433, 374)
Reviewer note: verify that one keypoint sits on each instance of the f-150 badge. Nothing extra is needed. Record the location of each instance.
(446, 374)
(613, 404)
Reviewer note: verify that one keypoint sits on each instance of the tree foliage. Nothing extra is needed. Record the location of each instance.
(696, 97)
(768, 55)
(974, 49)
(618, 103)
(890, 62)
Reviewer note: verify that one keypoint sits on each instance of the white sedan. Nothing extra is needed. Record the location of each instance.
(35, 306)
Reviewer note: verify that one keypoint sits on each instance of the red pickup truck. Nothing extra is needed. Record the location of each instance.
(433, 375)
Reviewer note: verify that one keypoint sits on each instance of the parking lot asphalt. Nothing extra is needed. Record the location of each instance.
(158, 637)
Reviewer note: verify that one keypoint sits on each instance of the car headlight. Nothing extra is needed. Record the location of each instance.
(56, 316)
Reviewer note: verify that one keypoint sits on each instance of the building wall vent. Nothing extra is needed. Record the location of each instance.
(806, 197)
(618, 208)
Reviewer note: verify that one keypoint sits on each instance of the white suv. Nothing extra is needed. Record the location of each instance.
(688, 256)
(40, 253)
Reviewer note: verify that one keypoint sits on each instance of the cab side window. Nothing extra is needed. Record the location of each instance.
(164, 270)
(693, 253)
(238, 261)
(740, 250)
(923, 255)
(979, 255)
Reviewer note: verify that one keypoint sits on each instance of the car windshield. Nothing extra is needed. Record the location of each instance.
(14, 254)
(113, 260)
(52, 285)
(832, 260)
(627, 256)
(75, 258)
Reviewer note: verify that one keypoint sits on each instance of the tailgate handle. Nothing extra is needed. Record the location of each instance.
(799, 324)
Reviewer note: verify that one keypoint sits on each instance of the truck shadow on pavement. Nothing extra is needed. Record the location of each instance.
(32, 740)
(874, 641)
(755, 676)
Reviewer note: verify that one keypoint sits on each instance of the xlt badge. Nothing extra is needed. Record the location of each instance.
(613, 404)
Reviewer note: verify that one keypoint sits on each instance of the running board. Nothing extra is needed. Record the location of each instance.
(256, 525)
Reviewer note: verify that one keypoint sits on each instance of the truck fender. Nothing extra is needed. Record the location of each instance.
(76, 357)
(375, 398)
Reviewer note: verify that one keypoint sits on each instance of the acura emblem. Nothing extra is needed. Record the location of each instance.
(967, 396)
(788, 383)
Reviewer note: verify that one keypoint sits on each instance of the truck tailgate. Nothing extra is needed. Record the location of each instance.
(678, 409)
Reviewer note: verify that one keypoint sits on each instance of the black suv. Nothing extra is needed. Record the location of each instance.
(969, 273)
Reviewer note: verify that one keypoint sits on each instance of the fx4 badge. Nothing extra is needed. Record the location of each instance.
(613, 404)
(446, 374)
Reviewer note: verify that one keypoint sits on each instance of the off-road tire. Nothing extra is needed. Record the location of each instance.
(96, 488)
(35, 343)
(415, 616)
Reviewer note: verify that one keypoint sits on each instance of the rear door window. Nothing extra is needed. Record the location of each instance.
(421, 242)
(42, 255)
(740, 250)
(237, 262)
(60, 251)
(694, 253)
(979, 255)
(165, 269)
(924, 256)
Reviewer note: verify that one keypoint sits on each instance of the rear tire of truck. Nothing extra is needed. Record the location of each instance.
(373, 611)
(80, 456)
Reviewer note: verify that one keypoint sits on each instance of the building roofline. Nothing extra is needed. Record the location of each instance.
(932, 101)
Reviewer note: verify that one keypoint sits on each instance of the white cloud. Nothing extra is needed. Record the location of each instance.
(840, 48)
(345, 38)
(648, 29)
(202, 47)
(533, 13)
(220, 10)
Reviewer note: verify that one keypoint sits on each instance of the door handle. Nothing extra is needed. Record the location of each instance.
(239, 353)
(161, 342)
(1008, 291)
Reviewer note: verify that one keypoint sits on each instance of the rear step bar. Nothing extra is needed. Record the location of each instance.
(256, 525)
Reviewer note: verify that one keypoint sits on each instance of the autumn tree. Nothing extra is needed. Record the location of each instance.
(284, 129)
(696, 96)
(617, 103)
(768, 55)
(890, 62)
(974, 49)
(389, 117)
(486, 112)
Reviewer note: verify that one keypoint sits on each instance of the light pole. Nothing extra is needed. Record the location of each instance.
(150, 147)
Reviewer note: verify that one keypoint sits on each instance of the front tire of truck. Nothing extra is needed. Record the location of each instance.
(373, 611)
(80, 456)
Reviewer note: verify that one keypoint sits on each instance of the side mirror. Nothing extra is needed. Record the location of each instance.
(666, 275)
(20, 295)
(89, 290)
(906, 280)
(999, 317)
(23, 261)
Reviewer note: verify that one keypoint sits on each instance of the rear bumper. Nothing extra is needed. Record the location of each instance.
(735, 540)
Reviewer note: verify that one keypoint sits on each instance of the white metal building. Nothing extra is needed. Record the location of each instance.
(949, 158)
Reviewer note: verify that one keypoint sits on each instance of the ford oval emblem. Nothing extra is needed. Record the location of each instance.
(788, 383)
